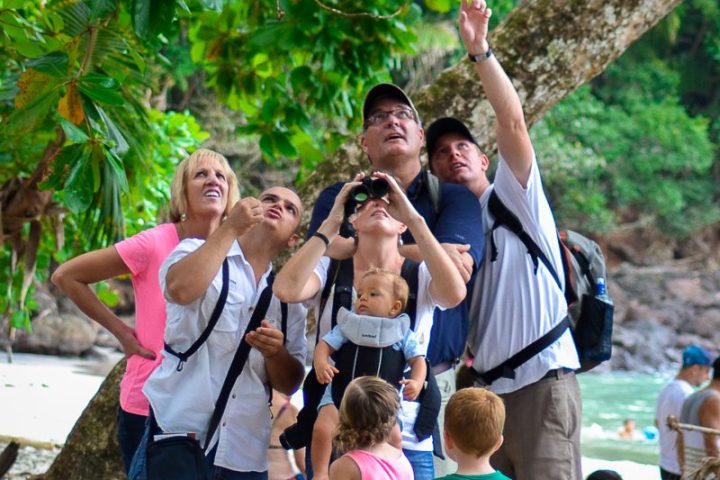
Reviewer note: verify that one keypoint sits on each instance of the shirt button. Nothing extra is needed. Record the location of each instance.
(224, 424)
(233, 395)
(251, 309)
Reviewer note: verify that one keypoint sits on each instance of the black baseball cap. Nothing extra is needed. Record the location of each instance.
(444, 126)
(386, 90)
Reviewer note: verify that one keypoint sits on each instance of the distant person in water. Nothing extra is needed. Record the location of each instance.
(694, 371)
(604, 475)
(628, 429)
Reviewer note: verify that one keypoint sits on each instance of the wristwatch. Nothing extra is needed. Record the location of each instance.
(481, 57)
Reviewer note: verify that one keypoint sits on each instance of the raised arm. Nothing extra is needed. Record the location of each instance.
(447, 285)
(74, 278)
(296, 282)
(512, 135)
(189, 278)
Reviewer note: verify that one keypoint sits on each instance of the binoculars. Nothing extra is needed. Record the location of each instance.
(369, 188)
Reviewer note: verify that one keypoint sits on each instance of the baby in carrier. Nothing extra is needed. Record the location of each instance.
(377, 340)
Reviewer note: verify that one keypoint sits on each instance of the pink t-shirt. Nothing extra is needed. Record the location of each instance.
(143, 254)
(373, 467)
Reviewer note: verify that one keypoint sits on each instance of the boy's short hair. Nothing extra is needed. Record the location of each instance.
(474, 419)
(400, 291)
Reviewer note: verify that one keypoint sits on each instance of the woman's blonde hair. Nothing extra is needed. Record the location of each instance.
(368, 412)
(178, 198)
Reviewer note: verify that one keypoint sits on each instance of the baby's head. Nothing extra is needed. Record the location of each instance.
(381, 294)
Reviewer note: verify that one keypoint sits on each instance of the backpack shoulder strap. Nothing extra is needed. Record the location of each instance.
(183, 356)
(505, 218)
(410, 272)
(434, 190)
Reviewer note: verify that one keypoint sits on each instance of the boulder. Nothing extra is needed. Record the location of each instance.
(64, 334)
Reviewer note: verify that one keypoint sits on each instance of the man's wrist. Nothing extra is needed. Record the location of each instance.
(480, 57)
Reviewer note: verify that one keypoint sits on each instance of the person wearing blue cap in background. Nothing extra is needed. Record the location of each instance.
(694, 371)
(702, 408)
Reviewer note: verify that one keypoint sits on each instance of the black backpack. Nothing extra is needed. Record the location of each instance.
(589, 317)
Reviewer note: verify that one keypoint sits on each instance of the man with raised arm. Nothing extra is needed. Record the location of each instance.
(515, 303)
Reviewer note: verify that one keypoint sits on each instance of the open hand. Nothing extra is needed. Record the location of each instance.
(474, 19)
(266, 338)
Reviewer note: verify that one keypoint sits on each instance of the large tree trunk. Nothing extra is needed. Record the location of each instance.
(91, 450)
(548, 47)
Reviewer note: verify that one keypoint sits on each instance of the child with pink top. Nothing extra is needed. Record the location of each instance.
(368, 413)
(204, 189)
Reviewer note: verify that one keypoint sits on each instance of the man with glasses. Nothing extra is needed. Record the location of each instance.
(393, 138)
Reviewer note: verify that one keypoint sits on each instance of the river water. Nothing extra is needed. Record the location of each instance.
(609, 399)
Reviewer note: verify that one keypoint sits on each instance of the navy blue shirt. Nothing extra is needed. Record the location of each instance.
(458, 220)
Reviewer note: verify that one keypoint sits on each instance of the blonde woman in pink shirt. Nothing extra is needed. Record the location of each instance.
(204, 189)
(368, 413)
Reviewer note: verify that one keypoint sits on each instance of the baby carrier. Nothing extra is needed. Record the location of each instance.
(340, 274)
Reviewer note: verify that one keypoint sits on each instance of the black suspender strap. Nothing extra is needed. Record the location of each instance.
(238, 361)
(183, 356)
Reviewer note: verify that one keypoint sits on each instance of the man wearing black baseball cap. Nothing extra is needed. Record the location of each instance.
(393, 139)
(515, 303)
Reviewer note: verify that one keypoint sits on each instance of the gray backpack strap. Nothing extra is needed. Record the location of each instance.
(433, 186)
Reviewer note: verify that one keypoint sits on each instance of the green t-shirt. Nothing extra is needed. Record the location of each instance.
(486, 476)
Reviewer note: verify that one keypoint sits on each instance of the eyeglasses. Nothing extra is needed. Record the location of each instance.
(380, 116)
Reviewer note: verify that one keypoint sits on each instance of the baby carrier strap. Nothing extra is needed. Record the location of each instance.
(410, 272)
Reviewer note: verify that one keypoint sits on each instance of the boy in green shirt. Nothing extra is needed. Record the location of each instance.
(474, 419)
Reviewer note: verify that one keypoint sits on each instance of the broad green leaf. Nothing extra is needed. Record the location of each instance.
(55, 64)
(283, 145)
(33, 114)
(120, 146)
(79, 185)
(266, 146)
(73, 133)
(152, 17)
(101, 88)
(20, 320)
(101, 8)
(63, 164)
(118, 169)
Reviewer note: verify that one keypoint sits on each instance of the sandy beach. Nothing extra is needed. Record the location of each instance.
(41, 397)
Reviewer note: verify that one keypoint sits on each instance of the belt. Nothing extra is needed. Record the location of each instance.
(557, 373)
(442, 367)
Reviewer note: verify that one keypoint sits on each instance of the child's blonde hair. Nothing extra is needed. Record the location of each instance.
(474, 419)
(400, 289)
(368, 412)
